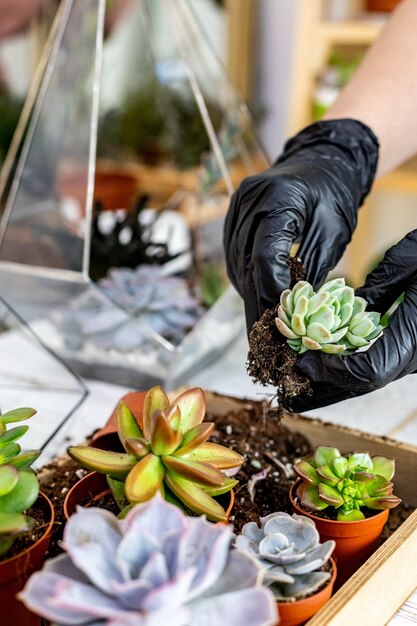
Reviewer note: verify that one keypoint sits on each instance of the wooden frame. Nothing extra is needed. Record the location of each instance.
(382, 585)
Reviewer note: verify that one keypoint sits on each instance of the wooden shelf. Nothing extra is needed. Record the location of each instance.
(350, 33)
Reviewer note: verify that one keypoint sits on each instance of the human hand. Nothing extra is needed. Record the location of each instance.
(311, 194)
(333, 377)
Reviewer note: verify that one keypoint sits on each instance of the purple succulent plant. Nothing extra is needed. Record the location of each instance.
(156, 566)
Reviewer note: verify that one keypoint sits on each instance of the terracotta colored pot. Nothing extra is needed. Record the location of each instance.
(300, 611)
(94, 487)
(14, 573)
(103, 437)
(382, 5)
(355, 541)
(114, 187)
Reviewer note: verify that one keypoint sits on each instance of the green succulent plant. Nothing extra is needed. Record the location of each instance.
(346, 483)
(167, 452)
(332, 319)
(19, 485)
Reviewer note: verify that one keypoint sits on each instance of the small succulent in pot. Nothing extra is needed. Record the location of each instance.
(168, 452)
(154, 567)
(346, 483)
(19, 486)
(289, 551)
(332, 319)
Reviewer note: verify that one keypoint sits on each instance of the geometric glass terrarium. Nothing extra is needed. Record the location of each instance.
(114, 193)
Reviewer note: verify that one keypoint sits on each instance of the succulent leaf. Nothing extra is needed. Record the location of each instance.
(330, 495)
(17, 415)
(173, 415)
(12, 435)
(216, 455)
(332, 320)
(13, 524)
(307, 472)
(25, 459)
(9, 477)
(360, 462)
(23, 494)
(144, 480)
(326, 475)
(382, 502)
(164, 439)
(194, 438)
(155, 400)
(127, 426)
(228, 485)
(115, 464)
(195, 498)
(137, 447)
(383, 466)
(340, 466)
(8, 452)
(201, 473)
(310, 499)
(192, 404)
(324, 455)
(354, 515)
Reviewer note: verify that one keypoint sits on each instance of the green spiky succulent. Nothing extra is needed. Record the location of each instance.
(332, 319)
(167, 452)
(19, 485)
(346, 483)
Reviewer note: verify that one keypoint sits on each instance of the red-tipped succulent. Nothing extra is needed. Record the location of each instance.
(167, 452)
(346, 483)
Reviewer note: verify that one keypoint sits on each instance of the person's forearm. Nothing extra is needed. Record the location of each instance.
(383, 91)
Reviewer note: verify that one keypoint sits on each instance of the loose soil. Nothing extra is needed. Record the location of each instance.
(271, 361)
(41, 513)
(269, 450)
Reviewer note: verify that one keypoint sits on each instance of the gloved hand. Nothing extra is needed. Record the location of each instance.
(392, 356)
(311, 194)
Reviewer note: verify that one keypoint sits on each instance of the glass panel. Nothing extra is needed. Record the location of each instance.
(125, 277)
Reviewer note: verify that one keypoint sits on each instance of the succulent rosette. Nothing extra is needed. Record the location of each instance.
(157, 566)
(19, 486)
(289, 551)
(167, 452)
(332, 319)
(346, 483)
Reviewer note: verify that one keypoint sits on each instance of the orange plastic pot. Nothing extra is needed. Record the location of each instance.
(355, 541)
(300, 611)
(382, 5)
(104, 438)
(94, 486)
(15, 572)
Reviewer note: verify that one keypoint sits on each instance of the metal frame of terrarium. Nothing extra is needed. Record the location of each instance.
(57, 281)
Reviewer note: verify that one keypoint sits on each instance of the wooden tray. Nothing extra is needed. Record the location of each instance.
(382, 585)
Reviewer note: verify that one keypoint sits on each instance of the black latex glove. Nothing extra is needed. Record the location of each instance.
(311, 194)
(392, 356)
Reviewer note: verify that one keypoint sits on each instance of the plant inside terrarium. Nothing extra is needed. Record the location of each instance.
(168, 453)
(128, 243)
(158, 123)
(19, 485)
(288, 549)
(348, 484)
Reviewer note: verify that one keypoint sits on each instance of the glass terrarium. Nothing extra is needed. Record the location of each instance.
(114, 193)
